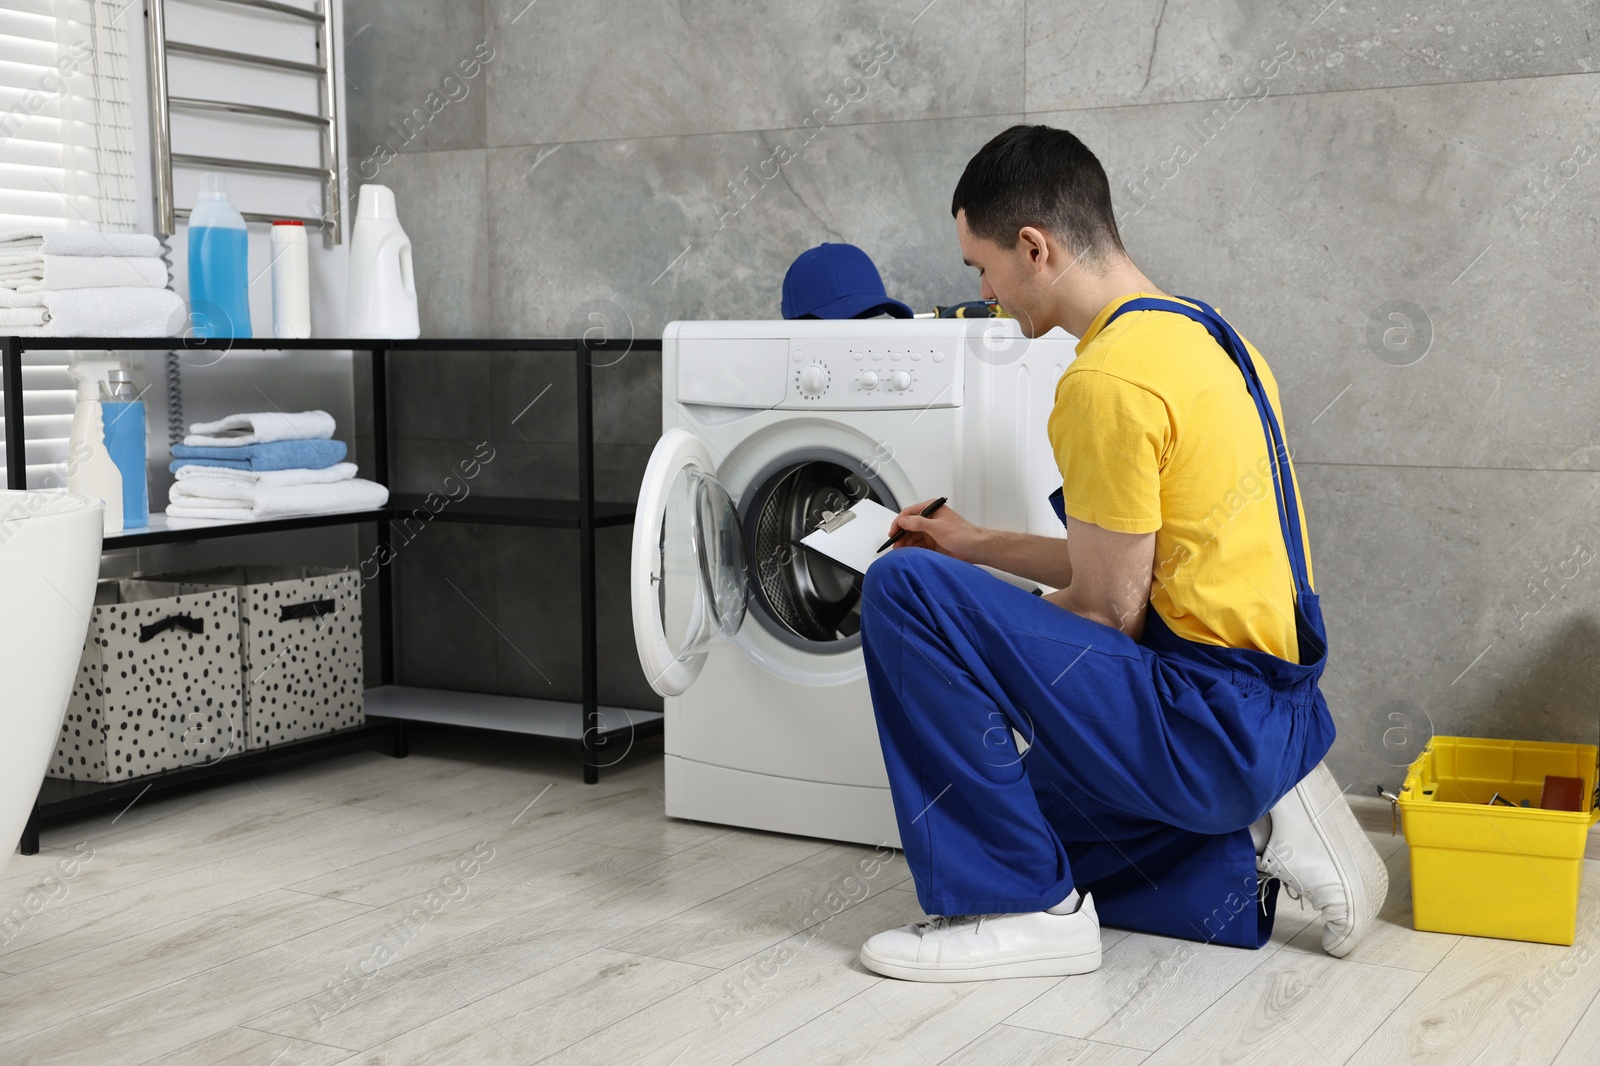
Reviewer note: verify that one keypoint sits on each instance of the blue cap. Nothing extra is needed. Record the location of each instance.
(836, 281)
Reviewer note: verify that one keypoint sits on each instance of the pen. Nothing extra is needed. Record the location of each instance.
(926, 511)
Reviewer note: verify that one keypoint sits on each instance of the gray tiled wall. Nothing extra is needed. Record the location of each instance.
(1337, 159)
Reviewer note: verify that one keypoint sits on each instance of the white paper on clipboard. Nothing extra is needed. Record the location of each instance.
(856, 542)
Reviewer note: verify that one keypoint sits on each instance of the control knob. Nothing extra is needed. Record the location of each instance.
(814, 380)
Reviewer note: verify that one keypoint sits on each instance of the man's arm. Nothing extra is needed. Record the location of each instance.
(1041, 559)
(1100, 574)
(1111, 576)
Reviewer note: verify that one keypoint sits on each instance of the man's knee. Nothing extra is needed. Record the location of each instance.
(896, 577)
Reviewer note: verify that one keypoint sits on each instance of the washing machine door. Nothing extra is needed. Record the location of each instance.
(688, 578)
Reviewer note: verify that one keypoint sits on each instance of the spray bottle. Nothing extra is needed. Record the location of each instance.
(123, 414)
(90, 468)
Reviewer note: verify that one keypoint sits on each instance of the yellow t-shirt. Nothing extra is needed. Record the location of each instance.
(1154, 430)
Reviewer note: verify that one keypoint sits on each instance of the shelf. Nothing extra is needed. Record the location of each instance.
(59, 797)
(391, 709)
(160, 532)
(360, 344)
(516, 511)
(504, 714)
(485, 510)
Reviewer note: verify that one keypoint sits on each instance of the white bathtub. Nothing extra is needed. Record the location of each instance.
(49, 561)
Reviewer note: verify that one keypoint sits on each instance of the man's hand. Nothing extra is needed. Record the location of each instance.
(1041, 559)
(944, 531)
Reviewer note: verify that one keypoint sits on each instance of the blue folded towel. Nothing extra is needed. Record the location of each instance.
(274, 455)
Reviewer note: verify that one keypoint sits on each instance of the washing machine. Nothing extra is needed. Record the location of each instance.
(754, 640)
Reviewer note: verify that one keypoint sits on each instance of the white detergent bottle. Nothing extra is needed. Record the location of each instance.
(383, 291)
(90, 469)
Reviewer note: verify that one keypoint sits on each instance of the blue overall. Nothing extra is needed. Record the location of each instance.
(1148, 759)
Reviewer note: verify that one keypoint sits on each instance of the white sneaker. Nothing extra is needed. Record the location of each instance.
(987, 946)
(1320, 853)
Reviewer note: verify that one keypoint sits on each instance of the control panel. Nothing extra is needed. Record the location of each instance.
(830, 373)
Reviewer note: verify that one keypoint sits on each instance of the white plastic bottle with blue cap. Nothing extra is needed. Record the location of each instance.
(383, 290)
(219, 274)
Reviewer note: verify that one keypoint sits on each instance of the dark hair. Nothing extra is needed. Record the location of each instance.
(1039, 176)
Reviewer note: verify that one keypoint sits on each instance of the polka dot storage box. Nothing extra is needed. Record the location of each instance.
(158, 685)
(300, 639)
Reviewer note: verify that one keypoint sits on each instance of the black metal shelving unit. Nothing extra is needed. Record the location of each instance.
(391, 709)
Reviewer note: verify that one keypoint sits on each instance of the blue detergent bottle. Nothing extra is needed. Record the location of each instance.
(219, 276)
(122, 415)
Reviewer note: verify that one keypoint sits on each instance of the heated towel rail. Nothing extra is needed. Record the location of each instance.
(162, 104)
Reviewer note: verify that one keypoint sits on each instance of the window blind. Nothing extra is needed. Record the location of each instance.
(66, 161)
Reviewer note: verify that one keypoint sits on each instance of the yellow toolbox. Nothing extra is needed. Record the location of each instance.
(1486, 868)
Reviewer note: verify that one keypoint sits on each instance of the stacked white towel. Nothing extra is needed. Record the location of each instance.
(261, 427)
(78, 242)
(242, 496)
(211, 492)
(80, 283)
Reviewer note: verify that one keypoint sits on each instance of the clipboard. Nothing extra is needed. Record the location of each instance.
(851, 537)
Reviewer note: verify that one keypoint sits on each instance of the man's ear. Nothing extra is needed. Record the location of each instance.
(1033, 242)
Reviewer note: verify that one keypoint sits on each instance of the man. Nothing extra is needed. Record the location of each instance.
(1167, 689)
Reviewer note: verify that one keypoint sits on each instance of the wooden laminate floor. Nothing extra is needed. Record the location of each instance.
(476, 904)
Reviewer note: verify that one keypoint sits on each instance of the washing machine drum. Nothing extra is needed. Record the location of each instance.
(809, 595)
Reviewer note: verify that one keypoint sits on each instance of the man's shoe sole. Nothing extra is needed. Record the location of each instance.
(1039, 966)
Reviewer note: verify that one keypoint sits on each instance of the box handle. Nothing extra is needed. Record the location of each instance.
(309, 609)
(179, 621)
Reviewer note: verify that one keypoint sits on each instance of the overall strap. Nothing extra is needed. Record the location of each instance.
(1233, 344)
